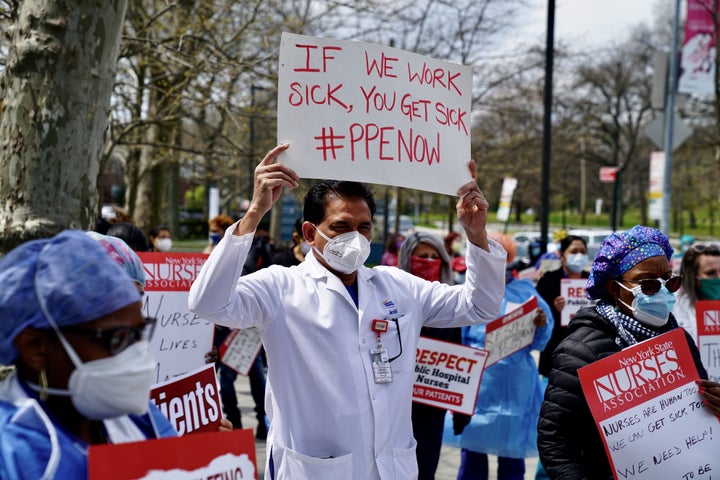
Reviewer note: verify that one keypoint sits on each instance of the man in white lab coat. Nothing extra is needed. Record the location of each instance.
(340, 338)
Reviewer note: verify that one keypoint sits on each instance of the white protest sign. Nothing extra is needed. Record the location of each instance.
(240, 348)
(573, 291)
(447, 375)
(370, 113)
(506, 194)
(180, 338)
(650, 416)
(708, 329)
(511, 332)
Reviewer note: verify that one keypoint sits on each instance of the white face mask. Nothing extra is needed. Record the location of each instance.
(346, 252)
(110, 387)
(576, 262)
(163, 244)
(304, 247)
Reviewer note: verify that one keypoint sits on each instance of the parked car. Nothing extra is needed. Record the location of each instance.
(524, 239)
(593, 237)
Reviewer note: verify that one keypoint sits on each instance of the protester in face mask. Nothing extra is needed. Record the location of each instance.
(700, 271)
(70, 322)
(217, 226)
(632, 279)
(392, 247)
(573, 254)
(340, 337)
(424, 255)
(160, 239)
(506, 413)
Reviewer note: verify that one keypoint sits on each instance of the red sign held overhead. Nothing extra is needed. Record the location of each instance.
(608, 174)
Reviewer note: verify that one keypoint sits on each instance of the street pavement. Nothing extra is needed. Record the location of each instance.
(449, 456)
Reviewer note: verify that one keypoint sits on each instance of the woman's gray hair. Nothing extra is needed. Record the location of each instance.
(410, 244)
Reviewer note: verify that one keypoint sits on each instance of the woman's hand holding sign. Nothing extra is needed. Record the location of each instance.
(472, 211)
(710, 391)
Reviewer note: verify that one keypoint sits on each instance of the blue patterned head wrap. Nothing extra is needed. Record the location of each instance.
(619, 252)
(123, 255)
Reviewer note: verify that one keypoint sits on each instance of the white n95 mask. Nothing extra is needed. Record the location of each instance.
(346, 252)
(110, 387)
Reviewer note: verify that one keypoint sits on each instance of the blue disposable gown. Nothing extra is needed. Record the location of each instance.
(32, 446)
(511, 391)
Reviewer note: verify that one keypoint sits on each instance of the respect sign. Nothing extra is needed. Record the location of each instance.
(650, 416)
(513, 331)
(708, 329)
(447, 375)
(180, 338)
(365, 112)
(573, 291)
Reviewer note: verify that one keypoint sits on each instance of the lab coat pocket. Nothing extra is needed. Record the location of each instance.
(296, 466)
(405, 463)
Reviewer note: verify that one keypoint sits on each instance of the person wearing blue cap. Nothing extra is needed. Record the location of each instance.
(70, 322)
(634, 285)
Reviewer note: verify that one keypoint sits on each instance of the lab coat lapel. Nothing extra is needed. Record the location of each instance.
(333, 283)
(366, 292)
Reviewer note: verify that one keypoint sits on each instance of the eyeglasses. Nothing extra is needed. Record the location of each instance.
(117, 339)
(704, 248)
(651, 286)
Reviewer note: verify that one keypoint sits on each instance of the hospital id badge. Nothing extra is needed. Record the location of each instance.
(380, 365)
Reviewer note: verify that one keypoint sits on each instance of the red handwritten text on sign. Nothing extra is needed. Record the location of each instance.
(366, 112)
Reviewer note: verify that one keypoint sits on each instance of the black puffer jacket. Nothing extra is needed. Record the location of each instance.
(569, 443)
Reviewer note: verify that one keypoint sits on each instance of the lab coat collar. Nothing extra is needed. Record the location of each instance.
(317, 270)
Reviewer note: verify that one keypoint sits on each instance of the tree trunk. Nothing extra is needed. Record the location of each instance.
(57, 85)
(58, 80)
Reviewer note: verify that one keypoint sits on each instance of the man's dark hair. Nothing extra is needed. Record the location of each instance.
(316, 199)
(132, 235)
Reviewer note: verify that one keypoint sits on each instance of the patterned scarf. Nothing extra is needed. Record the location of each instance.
(629, 330)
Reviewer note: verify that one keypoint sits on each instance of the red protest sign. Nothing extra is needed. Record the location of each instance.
(646, 406)
(206, 455)
(448, 375)
(708, 336)
(191, 402)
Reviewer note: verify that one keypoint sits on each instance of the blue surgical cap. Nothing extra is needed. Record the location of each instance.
(123, 255)
(619, 252)
(71, 273)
